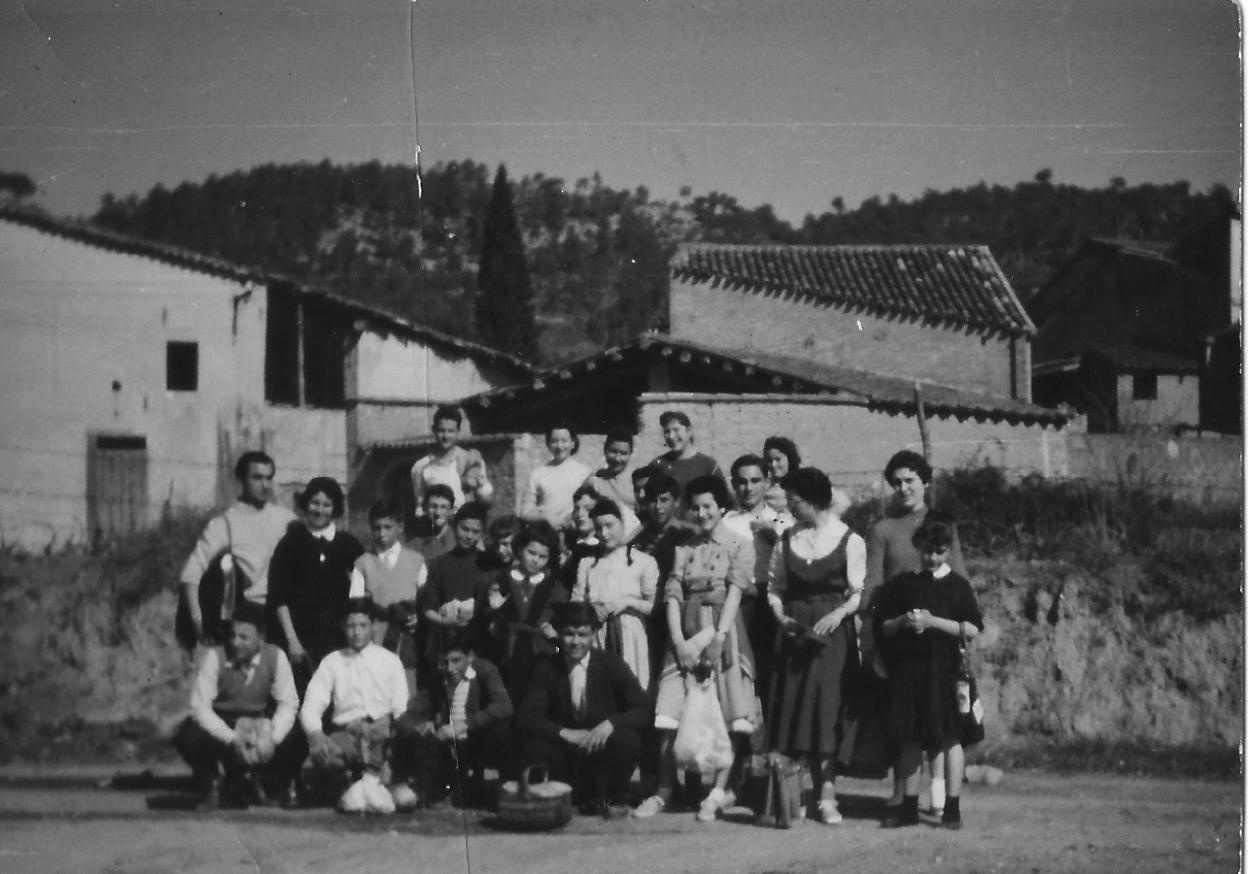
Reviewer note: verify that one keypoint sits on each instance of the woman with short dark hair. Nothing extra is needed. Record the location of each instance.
(310, 579)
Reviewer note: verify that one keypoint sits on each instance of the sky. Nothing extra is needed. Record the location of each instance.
(787, 102)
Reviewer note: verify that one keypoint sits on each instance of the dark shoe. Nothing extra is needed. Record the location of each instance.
(899, 821)
(951, 819)
(258, 794)
(615, 811)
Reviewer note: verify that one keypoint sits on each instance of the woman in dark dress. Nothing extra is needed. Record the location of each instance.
(310, 579)
(922, 617)
(815, 581)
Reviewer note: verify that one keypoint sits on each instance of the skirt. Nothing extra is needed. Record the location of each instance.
(734, 676)
(805, 710)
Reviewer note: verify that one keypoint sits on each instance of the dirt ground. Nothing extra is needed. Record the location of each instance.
(1030, 822)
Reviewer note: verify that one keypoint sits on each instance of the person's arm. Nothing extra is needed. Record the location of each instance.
(497, 702)
(286, 697)
(293, 645)
(213, 540)
(418, 487)
(281, 573)
(876, 547)
(715, 649)
(855, 572)
(204, 693)
(317, 696)
(777, 581)
(648, 572)
(358, 587)
(396, 686)
(580, 589)
(475, 480)
(529, 508)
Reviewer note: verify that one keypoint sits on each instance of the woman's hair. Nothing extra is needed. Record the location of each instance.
(606, 507)
(565, 426)
(811, 485)
(503, 527)
(619, 435)
(326, 485)
(537, 531)
(908, 459)
(674, 416)
(935, 531)
(448, 413)
(709, 485)
(585, 490)
(785, 447)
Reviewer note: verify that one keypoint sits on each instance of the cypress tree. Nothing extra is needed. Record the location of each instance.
(505, 316)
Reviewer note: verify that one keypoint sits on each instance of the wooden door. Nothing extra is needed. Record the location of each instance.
(116, 484)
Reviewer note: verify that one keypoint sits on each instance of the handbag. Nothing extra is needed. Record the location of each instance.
(970, 708)
(220, 591)
(782, 803)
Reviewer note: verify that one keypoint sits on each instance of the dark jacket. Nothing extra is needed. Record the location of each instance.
(488, 701)
(611, 692)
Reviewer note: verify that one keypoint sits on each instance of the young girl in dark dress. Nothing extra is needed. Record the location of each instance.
(310, 579)
(920, 618)
(512, 618)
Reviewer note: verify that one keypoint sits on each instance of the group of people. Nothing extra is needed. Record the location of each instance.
(573, 635)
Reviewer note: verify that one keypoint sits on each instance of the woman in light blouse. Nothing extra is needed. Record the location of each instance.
(702, 597)
(815, 582)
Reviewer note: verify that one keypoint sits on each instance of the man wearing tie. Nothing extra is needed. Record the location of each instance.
(582, 715)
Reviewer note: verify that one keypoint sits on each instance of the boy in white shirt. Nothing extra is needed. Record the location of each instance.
(368, 690)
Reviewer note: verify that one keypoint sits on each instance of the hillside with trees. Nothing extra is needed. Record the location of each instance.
(597, 256)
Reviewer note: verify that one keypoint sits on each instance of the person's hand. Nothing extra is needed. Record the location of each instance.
(713, 651)
(240, 751)
(596, 739)
(918, 620)
(574, 736)
(426, 728)
(548, 631)
(298, 655)
(496, 598)
(686, 655)
(446, 732)
(781, 620)
(829, 623)
(321, 748)
(411, 622)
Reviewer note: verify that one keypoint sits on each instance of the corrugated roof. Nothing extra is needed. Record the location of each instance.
(102, 238)
(782, 374)
(957, 285)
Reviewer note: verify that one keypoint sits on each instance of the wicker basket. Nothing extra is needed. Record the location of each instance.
(533, 805)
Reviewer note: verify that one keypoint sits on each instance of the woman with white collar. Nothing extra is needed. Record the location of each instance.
(310, 579)
(815, 582)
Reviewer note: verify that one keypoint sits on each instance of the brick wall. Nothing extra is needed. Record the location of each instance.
(741, 320)
(849, 442)
(1205, 470)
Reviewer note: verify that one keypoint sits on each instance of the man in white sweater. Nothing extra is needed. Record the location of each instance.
(368, 690)
(248, 532)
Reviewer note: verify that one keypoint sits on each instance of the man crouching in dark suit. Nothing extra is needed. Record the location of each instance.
(582, 715)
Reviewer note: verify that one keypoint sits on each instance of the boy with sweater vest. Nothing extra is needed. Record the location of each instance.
(243, 706)
(391, 575)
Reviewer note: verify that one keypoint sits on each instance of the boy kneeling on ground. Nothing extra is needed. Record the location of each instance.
(456, 727)
(243, 706)
(368, 690)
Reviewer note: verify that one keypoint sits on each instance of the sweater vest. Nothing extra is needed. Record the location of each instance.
(387, 586)
(236, 696)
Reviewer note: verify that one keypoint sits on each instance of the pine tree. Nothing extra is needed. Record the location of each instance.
(505, 316)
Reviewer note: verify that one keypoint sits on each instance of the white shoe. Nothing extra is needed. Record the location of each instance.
(404, 798)
(648, 808)
(938, 795)
(711, 805)
(829, 812)
(377, 798)
(354, 799)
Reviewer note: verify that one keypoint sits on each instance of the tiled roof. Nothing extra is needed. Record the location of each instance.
(1135, 359)
(781, 375)
(101, 238)
(956, 285)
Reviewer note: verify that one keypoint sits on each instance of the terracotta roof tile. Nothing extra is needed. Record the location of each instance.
(958, 285)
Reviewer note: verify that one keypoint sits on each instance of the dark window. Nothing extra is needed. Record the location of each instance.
(281, 350)
(325, 334)
(1144, 387)
(119, 441)
(182, 366)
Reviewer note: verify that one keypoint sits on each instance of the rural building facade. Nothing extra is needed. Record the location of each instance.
(132, 374)
(1144, 336)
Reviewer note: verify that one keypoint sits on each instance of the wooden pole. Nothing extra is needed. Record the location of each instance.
(926, 438)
